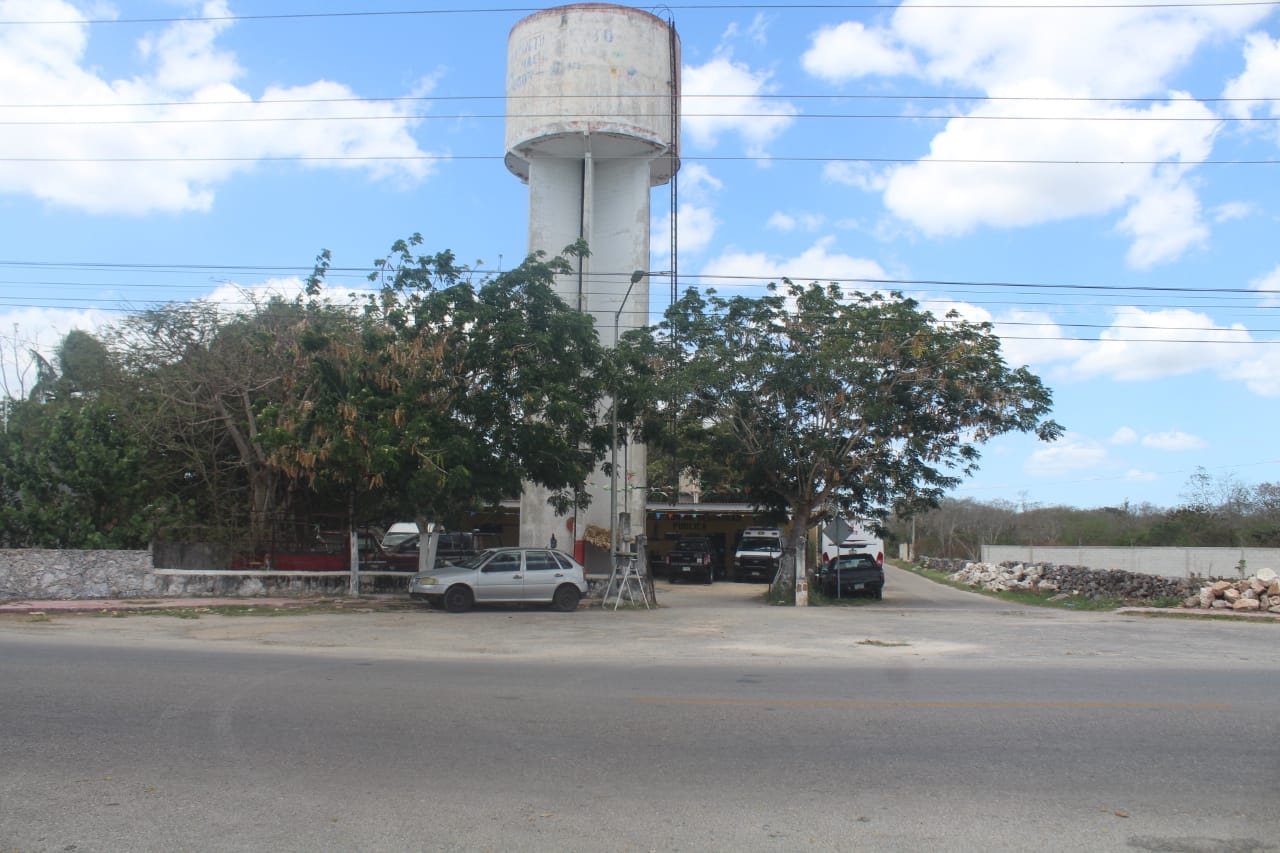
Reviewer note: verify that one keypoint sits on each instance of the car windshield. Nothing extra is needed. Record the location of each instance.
(760, 545)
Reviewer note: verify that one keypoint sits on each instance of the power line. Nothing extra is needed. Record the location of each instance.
(294, 16)
(772, 158)
(569, 116)
(685, 96)
(299, 269)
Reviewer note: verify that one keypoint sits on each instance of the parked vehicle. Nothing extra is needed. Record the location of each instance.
(398, 534)
(305, 548)
(758, 554)
(451, 548)
(692, 558)
(504, 575)
(852, 574)
(859, 538)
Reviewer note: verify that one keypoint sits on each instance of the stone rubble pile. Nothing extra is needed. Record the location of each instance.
(1260, 593)
(1068, 580)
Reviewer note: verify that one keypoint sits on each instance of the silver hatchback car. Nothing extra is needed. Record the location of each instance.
(504, 575)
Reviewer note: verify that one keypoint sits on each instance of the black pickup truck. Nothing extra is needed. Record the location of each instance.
(852, 574)
(693, 558)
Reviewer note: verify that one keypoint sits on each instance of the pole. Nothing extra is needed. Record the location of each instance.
(613, 423)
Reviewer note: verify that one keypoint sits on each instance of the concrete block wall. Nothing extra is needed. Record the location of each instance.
(1162, 562)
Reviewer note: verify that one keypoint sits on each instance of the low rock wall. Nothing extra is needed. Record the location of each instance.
(246, 584)
(1069, 580)
(42, 575)
(30, 573)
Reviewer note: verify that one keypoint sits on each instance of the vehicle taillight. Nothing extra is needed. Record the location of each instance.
(880, 559)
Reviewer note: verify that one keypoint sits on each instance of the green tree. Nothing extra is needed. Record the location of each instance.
(73, 474)
(208, 383)
(857, 403)
(448, 393)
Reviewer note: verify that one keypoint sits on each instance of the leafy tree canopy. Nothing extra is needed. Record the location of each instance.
(857, 404)
(447, 392)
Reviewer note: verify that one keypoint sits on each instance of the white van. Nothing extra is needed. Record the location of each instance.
(401, 531)
(758, 554)
(862, 539)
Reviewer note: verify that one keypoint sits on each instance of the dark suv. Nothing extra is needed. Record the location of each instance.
(852, 574)
(693, 558)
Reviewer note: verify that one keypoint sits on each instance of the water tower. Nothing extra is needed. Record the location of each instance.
(592, 127)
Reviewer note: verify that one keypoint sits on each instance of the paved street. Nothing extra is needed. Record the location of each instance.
(934, 720)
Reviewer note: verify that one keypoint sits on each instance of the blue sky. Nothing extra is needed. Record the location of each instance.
(1102, 184)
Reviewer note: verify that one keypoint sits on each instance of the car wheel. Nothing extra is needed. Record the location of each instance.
(458, 599)
(709, 579)
(878, 593)
(566, 599)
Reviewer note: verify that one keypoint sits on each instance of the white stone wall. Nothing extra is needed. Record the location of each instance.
(43, 575)
(32, 573)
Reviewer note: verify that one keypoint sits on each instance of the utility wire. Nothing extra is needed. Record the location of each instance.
(766, 7)
(664, 98)
(772, 158)
(585, 116)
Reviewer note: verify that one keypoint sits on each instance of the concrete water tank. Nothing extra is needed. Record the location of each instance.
(592, 127)
(597, 77)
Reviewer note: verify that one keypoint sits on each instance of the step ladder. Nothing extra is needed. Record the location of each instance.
(626, 580)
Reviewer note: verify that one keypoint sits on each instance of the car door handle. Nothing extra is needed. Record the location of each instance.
(517, 576)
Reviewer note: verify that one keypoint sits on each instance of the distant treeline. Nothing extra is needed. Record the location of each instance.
(1213, 512)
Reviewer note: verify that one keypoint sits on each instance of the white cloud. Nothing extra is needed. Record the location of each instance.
(1261, 375)
(850, 51)
(1124, 435)
(1035, 338)
(1131, 50)
(698, 222)
(1173, 441)
(817, 263)
(1164, 222)
(1269, 285)
(191, 140)
(1233, 210)
(185, 56)
(757, 32)
(1260, 80)
(1034, 52)
(722, 96)
(1070, 454)
(861, 176)
(1142, 345)
(953, 198)
(697, 227)
(787, 222)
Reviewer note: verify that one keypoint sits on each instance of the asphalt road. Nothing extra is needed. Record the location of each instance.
(934, 720)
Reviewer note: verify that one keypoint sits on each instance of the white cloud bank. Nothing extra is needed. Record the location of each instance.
(736, 269)
(1032, 52)
(1142, 345)
(183, 118)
